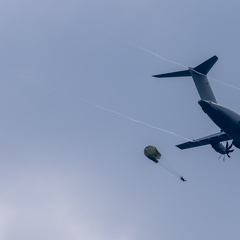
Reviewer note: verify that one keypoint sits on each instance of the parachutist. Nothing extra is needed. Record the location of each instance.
(154, 155)
(183, 179)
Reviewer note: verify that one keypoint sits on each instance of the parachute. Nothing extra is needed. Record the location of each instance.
(152, 153)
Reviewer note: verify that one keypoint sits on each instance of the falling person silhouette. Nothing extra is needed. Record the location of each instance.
(183, 179)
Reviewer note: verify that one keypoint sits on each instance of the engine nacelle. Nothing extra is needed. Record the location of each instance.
(218, 147)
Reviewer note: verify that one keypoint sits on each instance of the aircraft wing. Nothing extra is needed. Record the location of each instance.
(214, 138)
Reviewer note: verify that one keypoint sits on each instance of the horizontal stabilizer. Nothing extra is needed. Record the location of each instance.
(205, 67)
(199, 75)
(211, 139)
(185, 73)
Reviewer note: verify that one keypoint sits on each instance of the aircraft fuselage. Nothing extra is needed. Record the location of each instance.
(226, 119)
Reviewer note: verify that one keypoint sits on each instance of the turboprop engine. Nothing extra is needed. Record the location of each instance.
(218, 147)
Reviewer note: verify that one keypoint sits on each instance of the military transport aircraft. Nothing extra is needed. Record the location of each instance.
(227, 120)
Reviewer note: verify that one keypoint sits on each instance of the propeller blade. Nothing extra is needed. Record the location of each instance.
(228, 149)
(230, 146)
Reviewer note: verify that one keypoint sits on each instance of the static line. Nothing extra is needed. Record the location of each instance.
(132, 119)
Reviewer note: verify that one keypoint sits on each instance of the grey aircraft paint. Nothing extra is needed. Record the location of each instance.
(199, 75)
(226, 119)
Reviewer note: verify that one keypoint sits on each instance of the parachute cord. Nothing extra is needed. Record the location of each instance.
(170, 167)
(171, 171)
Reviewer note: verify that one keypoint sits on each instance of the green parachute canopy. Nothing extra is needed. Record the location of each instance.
(152, 153)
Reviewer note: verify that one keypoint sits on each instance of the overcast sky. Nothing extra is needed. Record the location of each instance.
(78, 106)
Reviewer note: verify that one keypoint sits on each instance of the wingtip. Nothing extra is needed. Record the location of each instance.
(215, 57)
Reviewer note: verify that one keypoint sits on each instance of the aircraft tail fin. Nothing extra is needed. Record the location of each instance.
(206, 66)
(199, 75)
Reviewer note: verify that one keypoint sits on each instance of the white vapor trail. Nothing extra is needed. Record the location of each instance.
(226, 84)
(54, 89)
(155, 54)
(163, 58)
(132, 119)
(179, 64)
